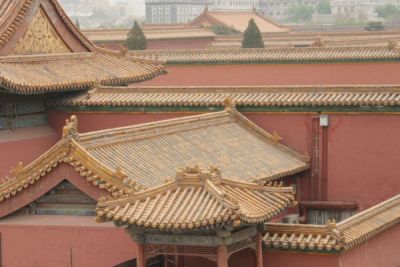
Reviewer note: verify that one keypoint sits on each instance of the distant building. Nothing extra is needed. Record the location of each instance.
(182, 11)
(235, 5)
(278, 9)
(359, 8)
(173, 11)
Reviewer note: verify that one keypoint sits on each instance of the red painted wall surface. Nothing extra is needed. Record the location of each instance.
(363, 153)
(282, 259)
(24, 149)
(173, 44)
(99, 120)
(50, 246)
(279, 74)
(381, 251)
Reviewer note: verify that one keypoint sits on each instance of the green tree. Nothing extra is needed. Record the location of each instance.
(375, 26)
(136, 39)
(388, 11)
(324, 7)
(252, 36)
(223, 30)
(300, 13)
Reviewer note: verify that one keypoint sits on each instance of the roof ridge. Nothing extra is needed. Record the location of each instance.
(287, 54)
(152, 128)
(368, 213)
(249, 96)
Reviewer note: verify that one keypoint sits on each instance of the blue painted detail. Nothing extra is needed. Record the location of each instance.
(30, 120)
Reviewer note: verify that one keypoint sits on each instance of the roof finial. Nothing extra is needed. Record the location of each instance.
(71, 127)
(319, 42)
(392, 44)
(17, 169)
(276, 137)
(229, 104)
(119, 174)
(206, 9)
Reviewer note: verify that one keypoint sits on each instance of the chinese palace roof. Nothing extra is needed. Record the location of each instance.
(341, 236)
(238, 20)
(135, 158)
(42, 51)
(322, 54)
(264, 96)
(198, 199)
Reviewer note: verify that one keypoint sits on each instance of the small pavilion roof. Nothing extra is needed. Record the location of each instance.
(42, 51)
(338, 237)
(198, 199)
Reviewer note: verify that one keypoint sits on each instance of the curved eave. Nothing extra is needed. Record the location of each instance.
(10, 86)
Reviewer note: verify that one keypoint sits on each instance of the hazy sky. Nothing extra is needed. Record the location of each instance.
(139, 4)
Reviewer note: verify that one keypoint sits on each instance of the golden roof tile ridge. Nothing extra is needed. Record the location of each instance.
(369, 213)
(243, 96)
(146, 130)
(40, 58)
(231, 55)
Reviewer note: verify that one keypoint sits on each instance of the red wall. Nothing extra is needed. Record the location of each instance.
(363, 158)
(50, 246)
(278, 74)
(24, 149)
(287, 259)
(99, 120)
(173, 44)
(382, 251)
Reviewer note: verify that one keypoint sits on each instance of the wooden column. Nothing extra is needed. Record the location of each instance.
(179, 261)
(222, 256)
(165, 261)
(141, 256)
(259, 251)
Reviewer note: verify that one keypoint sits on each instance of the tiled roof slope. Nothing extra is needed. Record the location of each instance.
(299, 96)
(271, 55)
(77, 71)
(135, 158)
(42, 51)
(342, 236)
(226, 139)
(198, 199)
